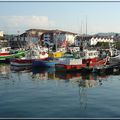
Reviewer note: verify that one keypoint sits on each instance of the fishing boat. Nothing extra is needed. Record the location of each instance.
(115, 59)
(114, 53)
(36, 53)
(53, 58)
(50, 61)
(6, 53)
(83, 59)
(58, 53)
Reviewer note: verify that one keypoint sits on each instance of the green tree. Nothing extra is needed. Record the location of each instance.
(103, 45)
(117, 44)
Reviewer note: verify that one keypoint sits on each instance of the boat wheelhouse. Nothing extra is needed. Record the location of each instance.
(5, 51)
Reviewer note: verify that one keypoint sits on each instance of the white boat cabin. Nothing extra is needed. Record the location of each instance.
(5, 50)
(89, 54)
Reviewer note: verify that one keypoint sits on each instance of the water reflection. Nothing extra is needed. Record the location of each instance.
(4, 71)
(83, 80)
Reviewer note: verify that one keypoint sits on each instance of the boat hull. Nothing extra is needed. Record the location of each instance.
(21, 62)
(44, 63)
(4, 60)
(14, 55)
(64, 67)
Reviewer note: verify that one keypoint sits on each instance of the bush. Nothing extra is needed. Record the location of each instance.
(117, 44)
(104, 45)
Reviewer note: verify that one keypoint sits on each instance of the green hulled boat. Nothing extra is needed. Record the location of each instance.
(12, 55)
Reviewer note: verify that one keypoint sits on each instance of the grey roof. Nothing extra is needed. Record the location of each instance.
(60, 31)
(37, 30)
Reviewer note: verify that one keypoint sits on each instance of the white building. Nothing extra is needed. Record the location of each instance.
(91, 40)
(60, 36)
(95, 40)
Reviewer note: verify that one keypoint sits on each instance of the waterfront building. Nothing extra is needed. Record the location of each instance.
(48, 37)
(34, 34)
(31, 35)
(16, 41)
(92, 40)
(51, 37)
(95, 39)
(59, 36)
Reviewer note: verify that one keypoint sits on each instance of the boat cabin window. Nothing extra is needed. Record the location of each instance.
(90, 54)
(7, 49)
(82, 54)
(93, 54)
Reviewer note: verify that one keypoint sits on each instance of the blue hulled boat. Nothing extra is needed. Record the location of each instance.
(50, 62)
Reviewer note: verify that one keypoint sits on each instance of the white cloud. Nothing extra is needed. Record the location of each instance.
(12, 23)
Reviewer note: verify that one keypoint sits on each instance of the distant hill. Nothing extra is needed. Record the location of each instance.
(107, 34)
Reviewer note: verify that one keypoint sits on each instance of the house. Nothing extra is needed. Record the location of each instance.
(95, 39)
(92, 40)
(31, 35)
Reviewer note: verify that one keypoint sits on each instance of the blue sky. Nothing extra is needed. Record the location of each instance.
(70, 16)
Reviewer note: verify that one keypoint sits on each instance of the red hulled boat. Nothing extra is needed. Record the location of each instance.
(83, 59)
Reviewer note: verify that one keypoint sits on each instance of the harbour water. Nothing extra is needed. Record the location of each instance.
(35, 93)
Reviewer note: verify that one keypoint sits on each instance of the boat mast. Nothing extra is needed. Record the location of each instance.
(86, 25)
(81, 44)
(17, 37)
(86, 34)
(56, 42)
(19, 40)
